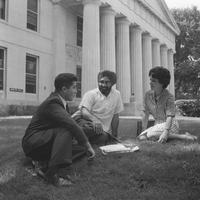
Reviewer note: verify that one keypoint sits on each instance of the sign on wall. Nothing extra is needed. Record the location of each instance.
(16, 90)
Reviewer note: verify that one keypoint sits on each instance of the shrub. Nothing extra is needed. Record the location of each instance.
(189, 108)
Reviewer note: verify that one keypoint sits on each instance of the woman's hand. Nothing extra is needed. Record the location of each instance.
(163, 137)
(90, 151)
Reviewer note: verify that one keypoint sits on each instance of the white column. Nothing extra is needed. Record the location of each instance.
(136, 67)
(123, 59)
(91, 45)
(155, 53)
(59, 41)
(107, 40)
(171, 69)
(163, 55)
(146, 60)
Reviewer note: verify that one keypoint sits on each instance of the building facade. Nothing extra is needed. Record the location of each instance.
(42, 38)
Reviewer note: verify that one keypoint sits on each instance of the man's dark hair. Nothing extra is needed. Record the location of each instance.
(64, 79)
(111, 76)
(162, 74)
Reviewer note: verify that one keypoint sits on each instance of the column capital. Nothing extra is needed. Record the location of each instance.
(98, 2)
(156, 40)
(107, 10)
(146, 34)
(136, 28)
(164, 46)
(56, 1)
(122, 20)
(171, 51)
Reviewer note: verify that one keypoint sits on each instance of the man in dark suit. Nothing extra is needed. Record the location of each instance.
(51, 130)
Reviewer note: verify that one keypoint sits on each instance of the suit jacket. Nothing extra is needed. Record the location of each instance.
(50, 114)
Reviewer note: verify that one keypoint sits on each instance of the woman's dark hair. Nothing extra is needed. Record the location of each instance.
(111, 76)
(64, 79)
(162, 74)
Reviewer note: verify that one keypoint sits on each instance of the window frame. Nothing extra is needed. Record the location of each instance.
(4, 68)
(79, 32)
(79, 81)
(5, 12)
(32, 74)
(37, 17)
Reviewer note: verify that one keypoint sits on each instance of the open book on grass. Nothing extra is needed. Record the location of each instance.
(118, 148)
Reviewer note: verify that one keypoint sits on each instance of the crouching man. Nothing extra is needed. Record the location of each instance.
(49, 135)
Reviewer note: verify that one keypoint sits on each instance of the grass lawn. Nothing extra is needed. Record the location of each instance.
(163, 172)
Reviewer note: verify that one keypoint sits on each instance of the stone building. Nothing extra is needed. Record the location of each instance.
(41, 38)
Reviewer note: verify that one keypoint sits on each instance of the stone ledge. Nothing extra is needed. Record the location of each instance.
(131, 125)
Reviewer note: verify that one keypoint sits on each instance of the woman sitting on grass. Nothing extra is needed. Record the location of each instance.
(159, 102)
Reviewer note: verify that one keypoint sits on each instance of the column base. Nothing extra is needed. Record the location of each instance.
(131, 109)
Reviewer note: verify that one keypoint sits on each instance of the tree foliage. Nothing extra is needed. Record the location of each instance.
(187, 79)
(188, 42)
(187, 57)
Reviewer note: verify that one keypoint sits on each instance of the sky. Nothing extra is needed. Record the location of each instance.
(182, 3)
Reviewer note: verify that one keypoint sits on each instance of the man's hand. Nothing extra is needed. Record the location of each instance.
(163, 137)
(90, 151)
(98, 128)
(115, 134)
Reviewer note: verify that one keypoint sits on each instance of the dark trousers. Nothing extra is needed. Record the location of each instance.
(57, 148)
(93, 137)
(87, 125)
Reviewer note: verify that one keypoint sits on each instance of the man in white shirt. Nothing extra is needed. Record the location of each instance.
(102, 106)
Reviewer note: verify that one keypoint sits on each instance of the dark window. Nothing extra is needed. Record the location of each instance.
(2, 9)
(78, 74)
(2, 68)
(32, 14)
(79, 31)
(31, 73)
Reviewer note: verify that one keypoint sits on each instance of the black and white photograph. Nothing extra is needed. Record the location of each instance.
(99, 99)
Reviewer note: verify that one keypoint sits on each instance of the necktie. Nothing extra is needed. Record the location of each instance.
(67, 108)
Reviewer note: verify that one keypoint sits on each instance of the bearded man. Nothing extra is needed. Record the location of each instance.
(102, 107)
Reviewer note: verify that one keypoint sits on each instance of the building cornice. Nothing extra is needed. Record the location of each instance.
(173, 28)
(56, 1)
(170, 16)
(70, 2)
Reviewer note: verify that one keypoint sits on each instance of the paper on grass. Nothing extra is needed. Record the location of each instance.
(118, 148)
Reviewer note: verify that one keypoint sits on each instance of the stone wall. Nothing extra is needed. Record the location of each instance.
(19, 110)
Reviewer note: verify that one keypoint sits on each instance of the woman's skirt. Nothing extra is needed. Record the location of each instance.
(159, 127)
